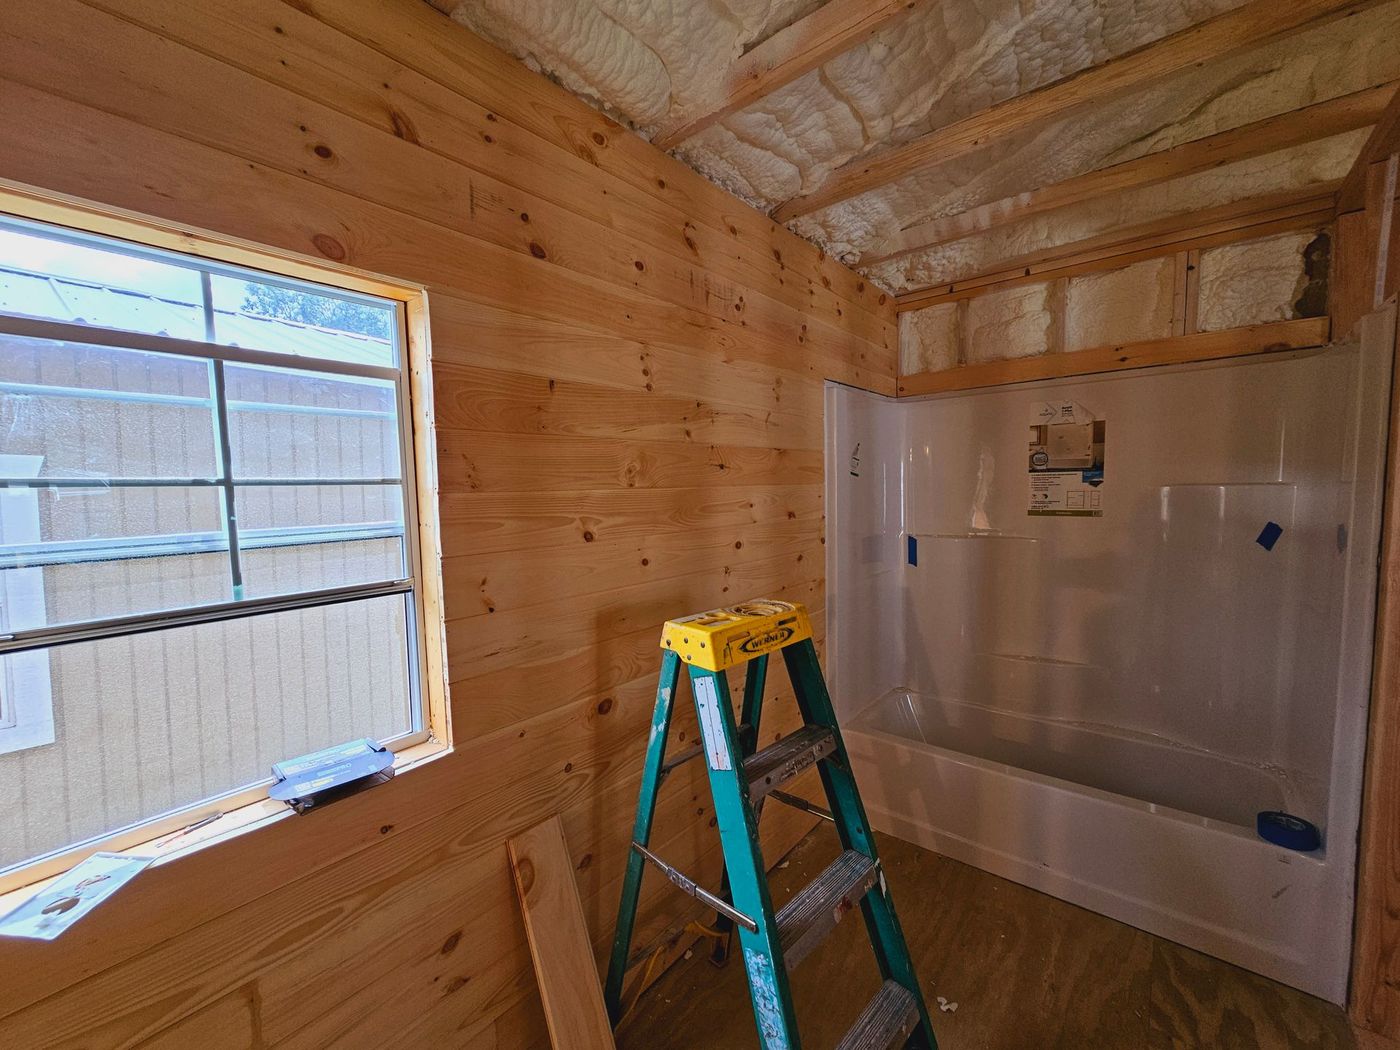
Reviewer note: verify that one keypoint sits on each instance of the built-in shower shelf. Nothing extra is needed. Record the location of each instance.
(973, 536)
(1029, 658)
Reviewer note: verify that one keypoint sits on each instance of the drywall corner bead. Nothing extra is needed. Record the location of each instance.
(928, 339)
(1252, 282)
(1015, 322)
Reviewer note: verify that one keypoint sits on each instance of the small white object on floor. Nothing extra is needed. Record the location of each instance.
(946, 1006)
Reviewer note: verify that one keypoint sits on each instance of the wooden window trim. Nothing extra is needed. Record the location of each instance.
(248, 809)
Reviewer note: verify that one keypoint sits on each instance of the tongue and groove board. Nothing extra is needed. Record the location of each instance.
(559, 943)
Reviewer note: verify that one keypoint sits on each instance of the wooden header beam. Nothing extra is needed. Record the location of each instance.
(835, 27)
(1322, 120)
(1174, 350)
(1253, 24)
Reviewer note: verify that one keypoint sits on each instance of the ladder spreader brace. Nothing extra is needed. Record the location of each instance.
(741, 779)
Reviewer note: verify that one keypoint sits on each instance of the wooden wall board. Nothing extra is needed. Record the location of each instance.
(670, 414)
(380, 68)
(569, 987)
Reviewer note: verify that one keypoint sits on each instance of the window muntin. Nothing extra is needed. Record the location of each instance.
(196, 483)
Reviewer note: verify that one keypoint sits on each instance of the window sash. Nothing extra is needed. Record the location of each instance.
(217, 354)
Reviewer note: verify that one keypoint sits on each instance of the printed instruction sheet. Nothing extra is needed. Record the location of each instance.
(1066, 461)
(62, 903)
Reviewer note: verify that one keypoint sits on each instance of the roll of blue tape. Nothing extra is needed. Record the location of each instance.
(1284, 829)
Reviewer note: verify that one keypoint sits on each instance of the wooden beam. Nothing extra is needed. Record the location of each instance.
(834, 28)
(1243, 220)
(1253, 24)
(1384, 140)
(1322, 120)
(1174, 350)
(558, 936)
(1363, 272)
(1375, 975)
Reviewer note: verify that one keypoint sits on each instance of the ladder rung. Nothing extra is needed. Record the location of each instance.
(805, 921)
(778, 763)
(801, 803)
(886, 1022)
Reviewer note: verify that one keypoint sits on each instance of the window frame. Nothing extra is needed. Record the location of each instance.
(421, 585)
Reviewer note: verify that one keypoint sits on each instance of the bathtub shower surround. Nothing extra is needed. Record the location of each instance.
(1099, 704)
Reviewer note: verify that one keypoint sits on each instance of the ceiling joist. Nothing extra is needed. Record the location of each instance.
(1295, 128)
(1255, 23)
(832, 29)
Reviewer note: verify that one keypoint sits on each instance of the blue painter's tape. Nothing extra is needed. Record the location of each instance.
(1269, 535)
(912, 550)
(1284, 829)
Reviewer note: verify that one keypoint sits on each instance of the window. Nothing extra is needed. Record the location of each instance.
(208, 536)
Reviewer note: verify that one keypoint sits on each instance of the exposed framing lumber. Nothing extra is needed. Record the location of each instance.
(1322, 120)
(835, 27)
(1203, 346)
(1375, 975)
(1384, 140)
(1243, 220)
(1253, 24)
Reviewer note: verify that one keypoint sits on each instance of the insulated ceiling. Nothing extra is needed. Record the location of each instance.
(656, 64)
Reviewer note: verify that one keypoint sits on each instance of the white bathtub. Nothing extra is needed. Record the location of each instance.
(1099, 707)
(1048, 805)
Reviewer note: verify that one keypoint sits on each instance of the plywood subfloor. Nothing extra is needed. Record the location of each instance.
(1025, 970)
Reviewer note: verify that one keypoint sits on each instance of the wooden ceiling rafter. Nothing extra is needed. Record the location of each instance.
(1255, 23)
(1296, 127)
(830, 30)
(1254, 217)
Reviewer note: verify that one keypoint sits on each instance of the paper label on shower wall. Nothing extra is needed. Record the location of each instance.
(1065, 463)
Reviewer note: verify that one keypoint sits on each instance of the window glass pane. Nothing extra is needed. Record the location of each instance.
(160, 721)
(72, 555)
(292, 424)
(105, 412)
(301, 321)
(310, 537)
(82, 284)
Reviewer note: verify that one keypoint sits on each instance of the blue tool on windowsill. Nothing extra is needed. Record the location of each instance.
(333, 773)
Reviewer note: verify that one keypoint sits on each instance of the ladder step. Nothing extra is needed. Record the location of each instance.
(886, 1022)
(778, 763)
(805, 921)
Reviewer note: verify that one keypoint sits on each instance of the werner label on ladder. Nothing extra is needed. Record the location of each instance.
(773, 941)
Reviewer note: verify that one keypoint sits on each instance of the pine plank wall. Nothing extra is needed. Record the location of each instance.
(628, 370)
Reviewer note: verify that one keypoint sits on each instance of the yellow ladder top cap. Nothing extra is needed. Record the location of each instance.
(733, 635)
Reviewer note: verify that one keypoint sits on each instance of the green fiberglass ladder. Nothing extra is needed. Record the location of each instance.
(740, 779)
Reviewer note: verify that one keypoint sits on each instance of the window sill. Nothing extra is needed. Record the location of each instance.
(173, 843)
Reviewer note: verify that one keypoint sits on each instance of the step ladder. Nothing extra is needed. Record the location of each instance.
(709, 644)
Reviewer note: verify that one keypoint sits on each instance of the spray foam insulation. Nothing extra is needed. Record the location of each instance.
(1253, 282)
(654, 63)
(1120, 306)
(928, 339)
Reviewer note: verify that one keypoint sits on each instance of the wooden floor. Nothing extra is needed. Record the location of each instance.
(1016, 969)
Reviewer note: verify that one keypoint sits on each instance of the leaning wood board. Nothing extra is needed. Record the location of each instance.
(559, 944)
